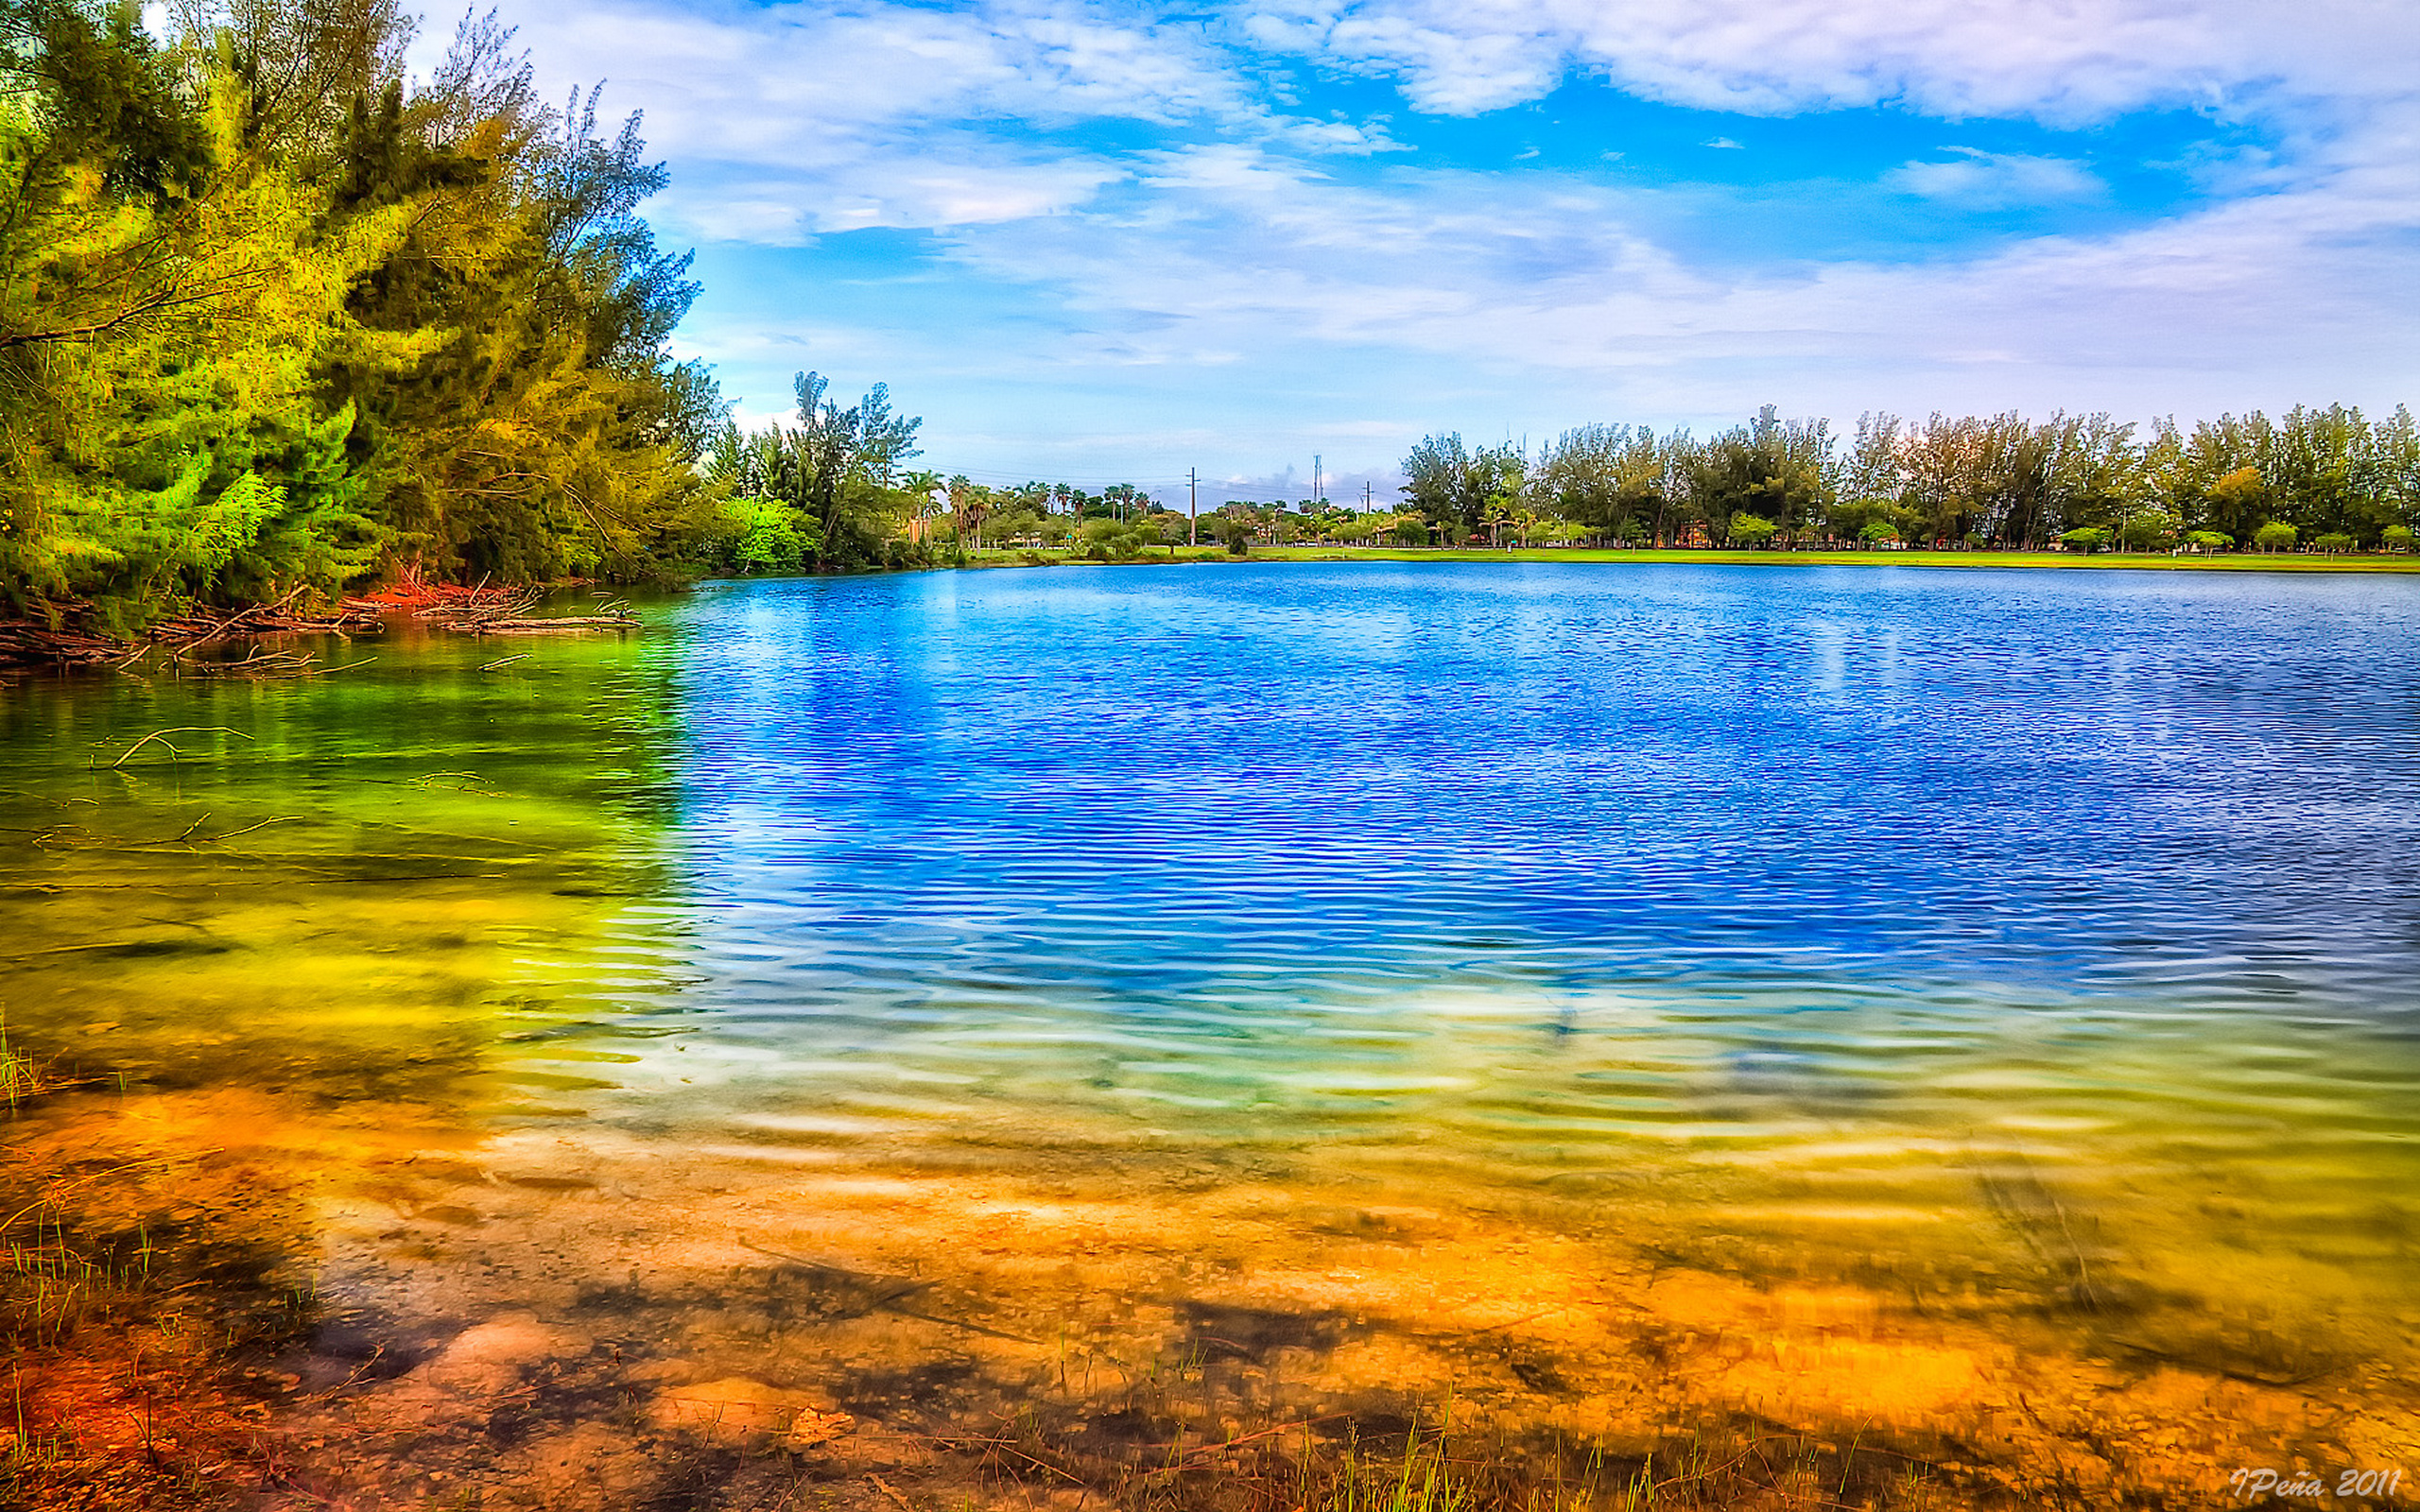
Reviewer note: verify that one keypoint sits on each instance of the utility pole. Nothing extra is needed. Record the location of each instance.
(1365, 496)
(1192, 507)
(1318, 483)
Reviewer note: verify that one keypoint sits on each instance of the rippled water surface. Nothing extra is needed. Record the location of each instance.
(2019, 965)
(1558, 860)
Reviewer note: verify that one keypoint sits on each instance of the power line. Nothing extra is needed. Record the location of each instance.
(978, 474)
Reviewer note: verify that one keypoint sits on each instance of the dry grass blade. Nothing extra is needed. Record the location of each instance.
(176, 729)
(256, 664)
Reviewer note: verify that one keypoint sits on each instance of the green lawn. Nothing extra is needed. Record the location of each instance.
(2145, 561)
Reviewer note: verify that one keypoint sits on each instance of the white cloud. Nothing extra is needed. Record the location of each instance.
(1538, 284)
(750, 82)
(2051, 60)
(961, 183)
(1997, 180)
(1344, 138)
(1306, 277)
(795, 119)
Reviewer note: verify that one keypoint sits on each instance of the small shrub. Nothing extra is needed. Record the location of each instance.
(1752, 531)
(2149, 529)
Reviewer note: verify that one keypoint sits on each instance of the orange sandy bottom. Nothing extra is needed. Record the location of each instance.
(561, 1316)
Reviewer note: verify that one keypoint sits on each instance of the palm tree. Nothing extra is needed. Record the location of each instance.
(922, 485)
(967, 501)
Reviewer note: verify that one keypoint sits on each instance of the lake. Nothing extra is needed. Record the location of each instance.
(1948, 1032)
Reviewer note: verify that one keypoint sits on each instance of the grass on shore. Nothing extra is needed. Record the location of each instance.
(138, 1280)
(1331, 1465)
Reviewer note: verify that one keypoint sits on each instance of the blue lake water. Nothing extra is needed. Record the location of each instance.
(1220, 840)
(2007, 974)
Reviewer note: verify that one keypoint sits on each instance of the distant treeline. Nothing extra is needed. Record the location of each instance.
(2328, 479)
(831, 491)
(273, 318)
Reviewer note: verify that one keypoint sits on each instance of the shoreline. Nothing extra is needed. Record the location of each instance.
(32, 645)
(36, 645)
(2052, 560)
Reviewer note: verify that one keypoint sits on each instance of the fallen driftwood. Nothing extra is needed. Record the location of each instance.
(482, 610)
(34, 644)
(507, 612)
(191, 631)
(66, 639)
(468, 611)
(188, 635)
(527, 624)
(266, 664)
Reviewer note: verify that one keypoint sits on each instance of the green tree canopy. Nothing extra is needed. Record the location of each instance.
(271, 319)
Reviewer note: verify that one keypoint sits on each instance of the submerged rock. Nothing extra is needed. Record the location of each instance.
(738, 1409)
(491, 1356)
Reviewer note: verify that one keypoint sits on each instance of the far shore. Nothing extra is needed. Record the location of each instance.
(26, 643)
(2131, 562)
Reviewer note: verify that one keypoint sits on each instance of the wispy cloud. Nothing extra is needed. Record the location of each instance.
(1997, 180)
(2044, 59)
(1120, 222)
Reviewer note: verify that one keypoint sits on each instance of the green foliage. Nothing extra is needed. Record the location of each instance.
(106, 119)
(1981, 482)
(2333, 542)
(1608, 477)
(832, 479)
(2208, 540)
(1116, 540)
(765, 536)
(2396, 537)
(1752, 530)
(544, 432)
(2275, 536)
(1450, 484)
(1780, 468)
(2237, 502)
(2148, 529)
(268, 321)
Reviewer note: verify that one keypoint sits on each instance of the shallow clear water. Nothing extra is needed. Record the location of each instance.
(2042, 942)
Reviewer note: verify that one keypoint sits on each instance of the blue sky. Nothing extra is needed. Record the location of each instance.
(1111, 242)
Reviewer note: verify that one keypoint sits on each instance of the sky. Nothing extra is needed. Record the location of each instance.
(1110, 243)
